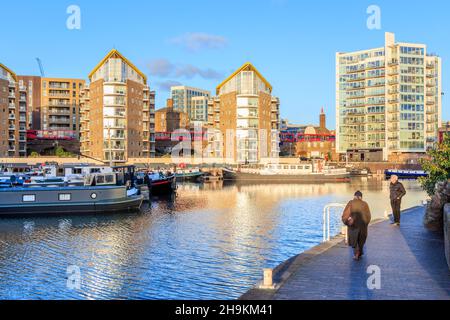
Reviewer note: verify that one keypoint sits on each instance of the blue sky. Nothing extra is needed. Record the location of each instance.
(199, 42)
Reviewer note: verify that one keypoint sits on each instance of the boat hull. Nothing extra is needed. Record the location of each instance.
(164, 186)
(299, 178)
(189, 177)
(405, 174)
(47, 201)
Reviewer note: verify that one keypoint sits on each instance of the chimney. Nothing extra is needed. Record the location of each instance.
(169, 103)
(323, 120)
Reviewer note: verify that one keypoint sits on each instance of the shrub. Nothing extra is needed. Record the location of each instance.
(437, 164)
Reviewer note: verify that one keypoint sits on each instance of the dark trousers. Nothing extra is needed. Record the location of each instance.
(396, 204)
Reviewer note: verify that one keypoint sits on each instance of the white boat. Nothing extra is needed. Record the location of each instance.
(310, 172)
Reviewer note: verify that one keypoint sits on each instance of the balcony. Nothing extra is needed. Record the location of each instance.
(393, 72)
(431, 65)
(430, 102)
(11, 116)
(393, 82)
(393, 110)
(59, 112)
(56, 121)
(22, 129)
(393, 62)
(12, 138)
(12, 95)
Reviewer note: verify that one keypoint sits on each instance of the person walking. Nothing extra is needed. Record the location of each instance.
(397, 192)
(357, 217)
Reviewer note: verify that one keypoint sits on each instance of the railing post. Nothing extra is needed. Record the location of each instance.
(326, 220)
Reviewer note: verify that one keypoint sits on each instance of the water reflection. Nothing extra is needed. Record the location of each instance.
(210, 242)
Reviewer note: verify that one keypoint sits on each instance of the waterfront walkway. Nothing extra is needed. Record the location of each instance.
(411, 260)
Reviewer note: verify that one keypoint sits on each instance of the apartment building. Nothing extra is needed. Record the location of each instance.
(117, 112)
(167, 120)
(13, 115)
(244, 118)
(388, 99)
(53, 103)
(192, 101)
(60, 104)
(33, 88)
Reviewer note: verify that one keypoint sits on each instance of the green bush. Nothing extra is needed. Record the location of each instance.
(34, 154)
(437, 164)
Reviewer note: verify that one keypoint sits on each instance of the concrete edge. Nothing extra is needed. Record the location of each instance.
(286, 269)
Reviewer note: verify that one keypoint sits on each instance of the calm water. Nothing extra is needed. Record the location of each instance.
(210, 242)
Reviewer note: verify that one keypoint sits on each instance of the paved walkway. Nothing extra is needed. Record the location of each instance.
(411, 260)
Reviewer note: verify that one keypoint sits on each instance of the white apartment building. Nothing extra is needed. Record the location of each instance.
(388, 99)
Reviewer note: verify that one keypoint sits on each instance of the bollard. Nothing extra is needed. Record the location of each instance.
(268, 278)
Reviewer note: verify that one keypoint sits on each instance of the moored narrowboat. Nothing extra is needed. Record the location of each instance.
(405, 174)
(69, 200)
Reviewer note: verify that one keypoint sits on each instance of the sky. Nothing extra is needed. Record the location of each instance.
(200, 42)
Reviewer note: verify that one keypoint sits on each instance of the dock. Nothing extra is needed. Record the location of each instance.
(410, 258)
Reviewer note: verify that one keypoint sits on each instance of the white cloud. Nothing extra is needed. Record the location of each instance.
(164, 68)
(198, 41)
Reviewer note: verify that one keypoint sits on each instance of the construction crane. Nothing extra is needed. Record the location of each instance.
(41, 67)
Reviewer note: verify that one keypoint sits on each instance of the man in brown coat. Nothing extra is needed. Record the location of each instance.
(357, 217)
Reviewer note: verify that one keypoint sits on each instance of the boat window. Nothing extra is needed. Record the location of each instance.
(307, 167)
(293, 167)
(100, 179)
(65, 197)
(77, 171)
(300, 167)
(29, 198)
(95, 170)
(286, 167)
(109, 179)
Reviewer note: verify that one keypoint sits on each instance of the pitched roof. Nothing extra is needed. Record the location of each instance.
(245, 67)
(8, 70)
(116, 53)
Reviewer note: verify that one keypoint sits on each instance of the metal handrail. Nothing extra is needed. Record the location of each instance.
(326, 219)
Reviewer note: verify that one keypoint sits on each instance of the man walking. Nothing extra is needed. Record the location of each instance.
(397, 192)
(357, 217)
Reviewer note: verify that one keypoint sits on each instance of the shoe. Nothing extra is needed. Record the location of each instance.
(397, 224)
(392, 223)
